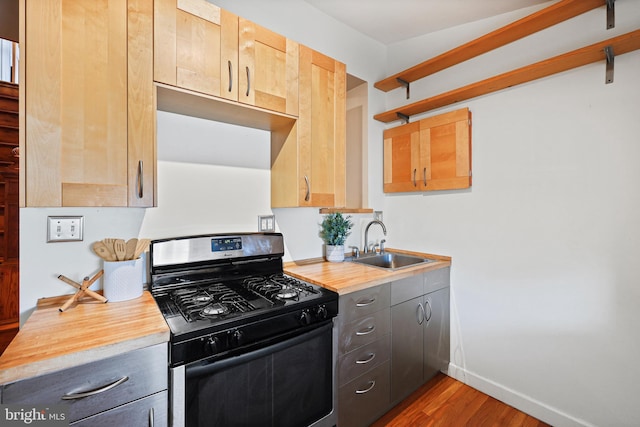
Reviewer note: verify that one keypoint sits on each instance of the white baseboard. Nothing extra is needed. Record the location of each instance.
(518, 400)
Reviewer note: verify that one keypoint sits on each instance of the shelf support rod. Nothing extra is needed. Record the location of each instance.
(403, 117)
(611, 14)
(406, 85)
(608, 50)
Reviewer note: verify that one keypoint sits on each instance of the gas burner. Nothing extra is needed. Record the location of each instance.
(287, 293)
(212, 310)
(202, 298)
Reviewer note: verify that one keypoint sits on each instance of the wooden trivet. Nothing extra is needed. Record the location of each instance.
(82, 289)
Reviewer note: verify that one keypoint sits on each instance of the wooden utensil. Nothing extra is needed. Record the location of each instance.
(131, 248)
(120, 249)
(103, 252)
(142, 246)
(108, 242)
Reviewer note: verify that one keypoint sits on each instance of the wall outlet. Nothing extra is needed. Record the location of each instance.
(267, 223)
(64, 228)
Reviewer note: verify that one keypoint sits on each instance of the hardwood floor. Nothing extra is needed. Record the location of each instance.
(446, 402)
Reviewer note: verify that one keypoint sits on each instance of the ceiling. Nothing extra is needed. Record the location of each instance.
(393, 21)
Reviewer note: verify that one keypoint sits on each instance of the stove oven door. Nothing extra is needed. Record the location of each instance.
(286, 384)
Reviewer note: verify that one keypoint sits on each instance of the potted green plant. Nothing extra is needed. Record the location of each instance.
(334, 231)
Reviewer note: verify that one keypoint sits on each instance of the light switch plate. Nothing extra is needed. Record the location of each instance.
(65, 228)
(267, 223)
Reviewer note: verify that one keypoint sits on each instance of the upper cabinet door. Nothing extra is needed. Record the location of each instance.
(78, 109)
(268, 69)
(196, 47)
(431, 154)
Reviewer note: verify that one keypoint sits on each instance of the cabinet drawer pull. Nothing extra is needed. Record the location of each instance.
(364, 362)
(72, 396)
(426, 304)
(365, 303)
(424, 176)
(140, 180)
(366, 331)
(414, 178)
(248, 82)
(420, 314)
(308, 193)
(151, 417)
(230, 75)
(368, 389)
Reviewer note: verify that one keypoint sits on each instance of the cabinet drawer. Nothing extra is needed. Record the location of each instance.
(406, 289)
(436, 279)
(145, 370)
(363, 359)
(364, 399)
(361, 303)
(150, 411)
(364, 331)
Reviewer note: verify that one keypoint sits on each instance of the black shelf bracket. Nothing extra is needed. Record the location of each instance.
(403, 117)
(611, 14)
(406, 85)
(608, 50)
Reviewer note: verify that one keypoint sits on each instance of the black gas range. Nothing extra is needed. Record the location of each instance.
(224, 294)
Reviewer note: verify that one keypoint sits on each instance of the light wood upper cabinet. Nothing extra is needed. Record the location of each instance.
(431, 154)
(268, 69)
(196, 47)
(308, 158)
(89, 103)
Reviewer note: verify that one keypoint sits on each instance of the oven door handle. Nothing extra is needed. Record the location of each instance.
(202, 368)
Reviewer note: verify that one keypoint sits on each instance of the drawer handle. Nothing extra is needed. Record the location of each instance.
(366, 303)
(368, 389)
(72, 396)
(367, 331)
(363, 362)
(151, 417)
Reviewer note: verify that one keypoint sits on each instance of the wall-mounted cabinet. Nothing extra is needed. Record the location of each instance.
(308, 157)
(89, 103)
(430, 154)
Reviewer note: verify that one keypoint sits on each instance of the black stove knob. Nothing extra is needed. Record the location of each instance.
(237, 338)
(321, 312)
(212, 345)
(305, 317)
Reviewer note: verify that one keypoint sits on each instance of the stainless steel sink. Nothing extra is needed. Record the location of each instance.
(390, 260)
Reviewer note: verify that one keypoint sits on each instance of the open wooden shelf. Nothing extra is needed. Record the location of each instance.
(530, 24)
(622, 44)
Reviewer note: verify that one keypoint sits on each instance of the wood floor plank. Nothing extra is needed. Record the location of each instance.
(445, 402)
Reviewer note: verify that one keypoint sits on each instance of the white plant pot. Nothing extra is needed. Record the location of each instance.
(334, 253)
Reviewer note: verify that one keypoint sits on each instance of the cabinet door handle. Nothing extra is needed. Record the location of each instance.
(426, 303)
(365, 303)
(414, 177)
(230, 75)
(366, 331)
(151, 417)
(424, 176)
(368, 389)
(248, 81)
(420, 314)
(140, 180)
(72, 396)
(308, 193)
(367, 360)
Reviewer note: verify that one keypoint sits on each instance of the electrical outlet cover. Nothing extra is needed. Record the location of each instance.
(65, 228)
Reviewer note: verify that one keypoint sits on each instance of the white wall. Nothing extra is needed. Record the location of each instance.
(545, 244)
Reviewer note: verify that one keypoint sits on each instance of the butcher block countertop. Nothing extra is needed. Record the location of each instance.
(51, 340)
(346, 277)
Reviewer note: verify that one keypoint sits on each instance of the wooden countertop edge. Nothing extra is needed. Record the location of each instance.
(88, 331)
(318, 272)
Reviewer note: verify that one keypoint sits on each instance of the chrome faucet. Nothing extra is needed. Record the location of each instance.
(366, 233)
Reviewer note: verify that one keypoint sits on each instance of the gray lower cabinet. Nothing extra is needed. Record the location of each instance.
(419, 330)
(131, 387)
(363, 356)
